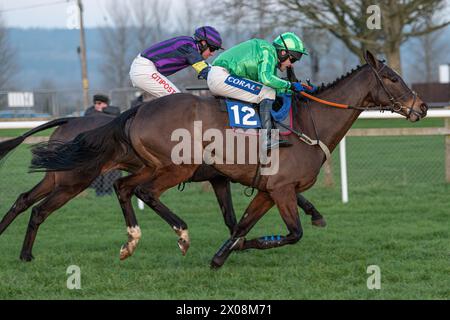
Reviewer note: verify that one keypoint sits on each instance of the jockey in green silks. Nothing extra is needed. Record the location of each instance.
(248, 72)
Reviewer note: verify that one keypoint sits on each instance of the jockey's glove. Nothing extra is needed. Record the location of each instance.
(312, 88)
(203, 74)
(297, 87)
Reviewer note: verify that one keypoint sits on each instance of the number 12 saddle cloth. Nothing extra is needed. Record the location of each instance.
(245, 116)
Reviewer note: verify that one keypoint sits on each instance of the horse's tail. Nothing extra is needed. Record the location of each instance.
(88, 151)
(8, 145)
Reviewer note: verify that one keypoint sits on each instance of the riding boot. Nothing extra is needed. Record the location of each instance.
(265, 108)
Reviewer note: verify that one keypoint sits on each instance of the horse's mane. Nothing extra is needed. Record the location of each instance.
(324, 87)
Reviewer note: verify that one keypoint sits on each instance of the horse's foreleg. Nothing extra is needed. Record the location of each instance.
(56, 199)
(256, 209)
(316, 218)
(285, 200)
(221, 186)
(125, 188)
(27, 199)
(152, 190)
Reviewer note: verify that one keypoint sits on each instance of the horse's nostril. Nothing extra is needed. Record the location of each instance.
(424, 109)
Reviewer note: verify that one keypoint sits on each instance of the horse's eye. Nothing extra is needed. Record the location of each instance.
(394, 79)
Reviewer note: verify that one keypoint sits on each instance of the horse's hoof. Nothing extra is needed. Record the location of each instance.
(124, 253)
(183, 245)
(27, 257)
(183, 241)
(216, 263)
(321, 223)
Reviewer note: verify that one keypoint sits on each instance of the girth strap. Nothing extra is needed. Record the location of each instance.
(255, 182)
(303, 137)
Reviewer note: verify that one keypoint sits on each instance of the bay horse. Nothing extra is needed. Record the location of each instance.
(70, 183)
(148, 132)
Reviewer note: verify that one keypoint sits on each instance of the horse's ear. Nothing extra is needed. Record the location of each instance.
(370, 59)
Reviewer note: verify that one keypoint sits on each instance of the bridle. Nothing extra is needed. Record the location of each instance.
(395, 105)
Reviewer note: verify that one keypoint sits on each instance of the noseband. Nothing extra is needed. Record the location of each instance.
(395, 105)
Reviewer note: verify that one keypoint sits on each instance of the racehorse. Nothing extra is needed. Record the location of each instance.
(148, 131)
(70, 183)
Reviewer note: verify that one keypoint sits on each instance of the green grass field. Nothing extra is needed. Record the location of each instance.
(397, 218)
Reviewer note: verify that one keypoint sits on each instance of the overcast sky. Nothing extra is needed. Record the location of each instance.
(52, 13)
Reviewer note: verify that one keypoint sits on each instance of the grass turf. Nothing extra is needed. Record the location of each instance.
(401, 226)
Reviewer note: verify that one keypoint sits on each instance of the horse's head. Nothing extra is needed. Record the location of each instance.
(392, 92)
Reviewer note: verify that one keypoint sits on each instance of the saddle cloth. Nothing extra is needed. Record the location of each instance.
(243, 115)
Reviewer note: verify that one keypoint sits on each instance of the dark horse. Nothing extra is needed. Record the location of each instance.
(149, 131)
(71, 183)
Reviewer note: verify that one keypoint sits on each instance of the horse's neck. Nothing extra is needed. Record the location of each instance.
(333, 123)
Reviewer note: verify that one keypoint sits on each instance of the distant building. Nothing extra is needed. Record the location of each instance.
(433, 93)
(436, 94)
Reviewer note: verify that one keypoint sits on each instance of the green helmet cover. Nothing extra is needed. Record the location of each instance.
(292, 41)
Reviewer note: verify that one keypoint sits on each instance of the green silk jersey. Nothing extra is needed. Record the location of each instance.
(255, 60)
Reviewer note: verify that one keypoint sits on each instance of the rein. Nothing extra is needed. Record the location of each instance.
(301, 136)
(347, 106)
(394, 107)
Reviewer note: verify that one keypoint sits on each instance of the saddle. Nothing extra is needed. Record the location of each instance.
(244, 115)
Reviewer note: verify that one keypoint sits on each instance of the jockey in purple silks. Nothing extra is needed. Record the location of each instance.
(151, 67)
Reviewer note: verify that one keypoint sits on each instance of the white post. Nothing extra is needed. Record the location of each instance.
(444, 73)
(343, 158)
(141, 204)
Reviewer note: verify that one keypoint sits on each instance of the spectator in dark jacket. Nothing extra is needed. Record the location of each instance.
(101, 104)
(103, 184)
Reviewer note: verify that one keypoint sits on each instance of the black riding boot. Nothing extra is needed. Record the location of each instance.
(266, 123)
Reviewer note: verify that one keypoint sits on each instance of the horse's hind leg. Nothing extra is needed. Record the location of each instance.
(221, 186)
(27, 199)
(124, 188)
(316, 218)
(152, 190)
(56, 199)
(175, 222)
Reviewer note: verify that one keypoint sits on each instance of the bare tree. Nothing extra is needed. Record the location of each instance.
(117, 45)
(242, 17)
(347, 20)
(188, 17)
(235, 19)
(318, 44)
(143, 19)
(428, 50)
(149, 16)
(137, 23)
(8, 66)
(186, 20)
(262, 19)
